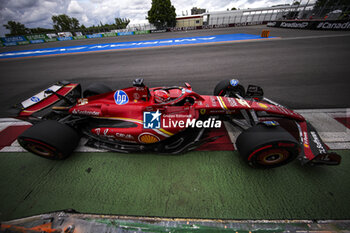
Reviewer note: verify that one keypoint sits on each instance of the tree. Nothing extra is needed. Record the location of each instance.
(322, 7)
(64, 23)
(39, 30)
(296, 3)
(233, 9)
(16, 28)
(162, 14)
(121, 23)
(197, 11)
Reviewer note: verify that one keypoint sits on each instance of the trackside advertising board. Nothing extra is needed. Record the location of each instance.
(94, 36)
(36, 37)
(142, 32)
(13, 39)
(333, 25)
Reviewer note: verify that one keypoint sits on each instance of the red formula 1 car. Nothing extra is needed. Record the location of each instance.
(168, 120)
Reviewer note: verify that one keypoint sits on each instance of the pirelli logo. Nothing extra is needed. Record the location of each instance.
(265, 33)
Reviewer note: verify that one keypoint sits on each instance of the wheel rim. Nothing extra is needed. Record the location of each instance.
(40, 150)
(273, 156)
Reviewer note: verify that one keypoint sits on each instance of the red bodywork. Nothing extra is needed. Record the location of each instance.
(130, 105)
(141, 99)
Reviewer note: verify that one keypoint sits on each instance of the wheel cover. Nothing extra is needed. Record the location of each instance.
(273, 156)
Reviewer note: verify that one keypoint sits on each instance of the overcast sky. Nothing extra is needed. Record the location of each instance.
(37, 13)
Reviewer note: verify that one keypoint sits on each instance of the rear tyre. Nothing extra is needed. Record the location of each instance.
(50, 139)
(267, 146)
(229, 88)
(96, 89)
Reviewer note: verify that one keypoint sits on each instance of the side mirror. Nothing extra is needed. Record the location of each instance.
(138, 82)
(255, 92)
(188, 86)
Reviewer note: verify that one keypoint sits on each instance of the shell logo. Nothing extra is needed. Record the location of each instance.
(263, 106)
(148, 138)
(306, 145)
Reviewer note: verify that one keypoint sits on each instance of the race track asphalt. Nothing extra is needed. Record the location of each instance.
(303, 69)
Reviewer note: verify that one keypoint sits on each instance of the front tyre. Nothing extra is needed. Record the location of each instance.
(264, 146)
(50, 139)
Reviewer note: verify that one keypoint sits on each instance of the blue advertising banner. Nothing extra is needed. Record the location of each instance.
(125, 33)
(133, 44)
(37, 41)
(9, 43)
(94, 36)
(64, 38)
(13, 39)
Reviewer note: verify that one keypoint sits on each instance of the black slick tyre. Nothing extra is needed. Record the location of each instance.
(224, 88)
(96, 89)
(50, 139)
(267, 147)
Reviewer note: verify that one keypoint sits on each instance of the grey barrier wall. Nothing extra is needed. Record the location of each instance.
(334, 25)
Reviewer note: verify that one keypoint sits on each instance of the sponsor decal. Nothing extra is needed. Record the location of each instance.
(98, 131)
(83, 101)
(124, 136)
(243, 102)
(10, 43)
(51, 39)
(105, 132)
(35, 99)
(294, 25)
(79, 37)
(271, 24)
(232, 102)
(148, 138)
(110, 34)
(13, 39)
(85, 112)
(64, 38)
(142, 32)
(94, 36)
(328, 25)
(151, 120)
(23, 42)
(263, 105)
(193, 123)
(37, 41)
(125, 33)
(213, 101)
(120, 97)
(234, 82)
(318, 143)
(270, 123)
(149, 109)
(136, 96)
(306, 140)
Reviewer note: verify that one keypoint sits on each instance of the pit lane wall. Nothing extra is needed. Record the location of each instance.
(331, 25)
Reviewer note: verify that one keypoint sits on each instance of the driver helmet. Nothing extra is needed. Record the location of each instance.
(161, 96)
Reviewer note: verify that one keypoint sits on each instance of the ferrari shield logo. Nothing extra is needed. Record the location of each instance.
(202, 111)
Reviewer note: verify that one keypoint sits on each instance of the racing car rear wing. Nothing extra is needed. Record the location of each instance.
(63, 90)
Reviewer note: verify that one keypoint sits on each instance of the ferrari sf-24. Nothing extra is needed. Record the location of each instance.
(169, 120)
